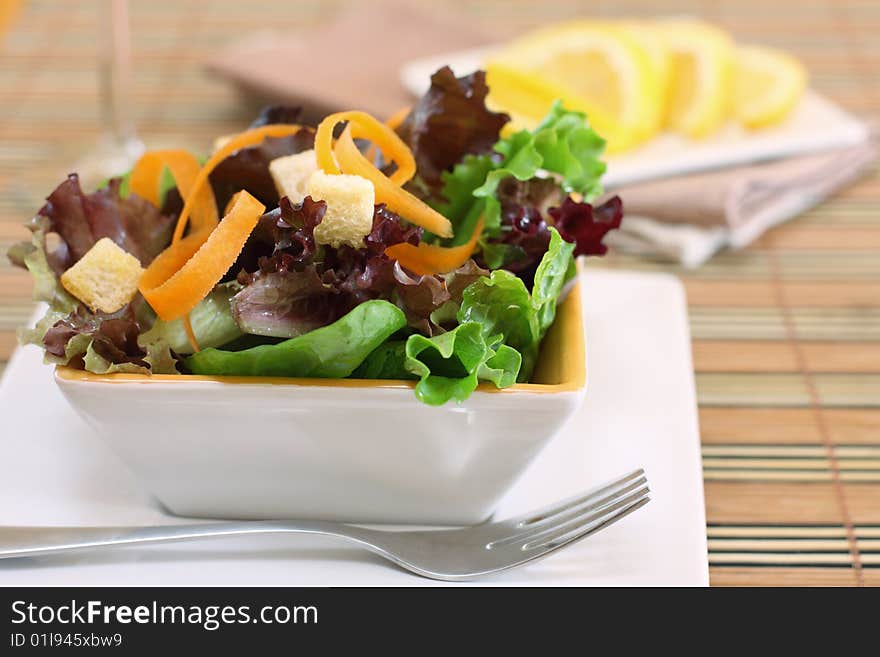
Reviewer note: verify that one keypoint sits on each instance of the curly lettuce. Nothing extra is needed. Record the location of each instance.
(497, 339)
(448, 366)
(502, 305)
(562, 145)
(451, 365)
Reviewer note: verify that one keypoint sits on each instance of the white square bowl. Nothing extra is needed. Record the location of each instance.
(335, 449)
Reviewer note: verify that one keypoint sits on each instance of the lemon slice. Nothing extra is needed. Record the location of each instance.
(594, 67)
(767, 85)
(701, 59)
(527, 98)
(660, 61)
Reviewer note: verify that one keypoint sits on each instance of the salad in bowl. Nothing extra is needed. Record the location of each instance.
(247, 329)
(432, 247)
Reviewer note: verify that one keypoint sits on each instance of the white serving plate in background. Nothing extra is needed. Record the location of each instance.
(817, 124)
(640, 411)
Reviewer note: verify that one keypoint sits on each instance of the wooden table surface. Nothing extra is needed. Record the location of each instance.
(786, 333)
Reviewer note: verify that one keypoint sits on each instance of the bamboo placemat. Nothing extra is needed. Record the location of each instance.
(786, 333)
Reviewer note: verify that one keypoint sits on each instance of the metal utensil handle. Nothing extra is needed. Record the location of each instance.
(36, 541)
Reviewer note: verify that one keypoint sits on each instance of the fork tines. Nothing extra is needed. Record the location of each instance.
(578, 516)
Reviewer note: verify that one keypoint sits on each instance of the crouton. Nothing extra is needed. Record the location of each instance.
(105, 278)
(291, 173)
(350, 204)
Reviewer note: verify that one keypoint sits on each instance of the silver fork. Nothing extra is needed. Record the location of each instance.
(445, 554)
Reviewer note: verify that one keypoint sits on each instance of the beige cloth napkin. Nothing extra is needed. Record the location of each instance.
(690, 218)
(352, 61)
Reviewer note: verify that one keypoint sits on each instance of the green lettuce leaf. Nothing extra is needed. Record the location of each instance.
(556, 268)
(450, 365)
(570, 148)
(497, 255)
(211, 320)
(48, 289)
(385, 362)
(502, 368)
(502, 307)
(562, 144)
(459, 185)
(506, 312)
(160, 358)
(333, 351)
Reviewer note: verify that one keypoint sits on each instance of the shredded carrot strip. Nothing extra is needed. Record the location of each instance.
(147, 174)
(398, 117)
(348, 158)
(174, 283)
(427, 259)
(242, 140)
(324, 144)
(145, 181)
(365, 126)
(190, 334)
(144, 178)
(172, 259)
(394, 121)
(185, 263)
(406, 168)
(396, 198)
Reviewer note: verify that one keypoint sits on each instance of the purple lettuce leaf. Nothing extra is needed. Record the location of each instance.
(284, 293)
(458, 280)
(63, 231)
(450, 121)
(286, 303)
(437, 313)
(282, 238)
(367, 273)
(292, 285)
(528, 209)
(418, 296)
(274, 114)
(114, 336)
(586, 225)
(524, 235)
(79, 220)
(248, 168)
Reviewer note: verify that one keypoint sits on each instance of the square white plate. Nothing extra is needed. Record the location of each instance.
(816, 124)
(640, 410)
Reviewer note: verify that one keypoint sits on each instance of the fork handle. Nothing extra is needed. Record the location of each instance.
(38, 541)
